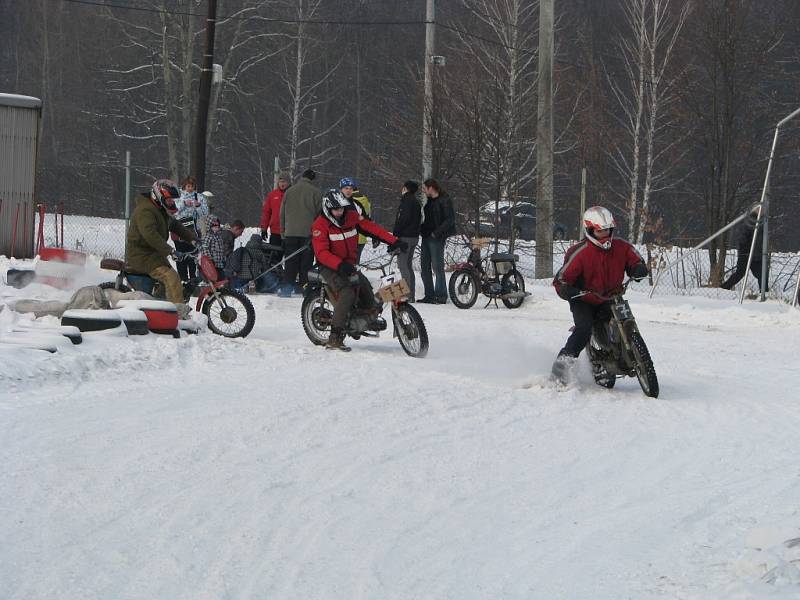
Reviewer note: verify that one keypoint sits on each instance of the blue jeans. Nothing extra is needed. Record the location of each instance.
(432, 265)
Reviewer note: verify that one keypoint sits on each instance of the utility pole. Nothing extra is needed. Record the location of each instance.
(204, 99)
(544, 145)
(313, 138)
(427, 145)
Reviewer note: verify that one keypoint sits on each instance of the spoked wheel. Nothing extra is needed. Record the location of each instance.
(230, 313)
(411, 331)
(316, 314)
(463, 288)
(112, 285)
(513, 282)
(645, 371)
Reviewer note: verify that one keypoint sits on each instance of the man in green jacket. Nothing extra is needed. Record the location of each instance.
(302, 203)
(148, 250)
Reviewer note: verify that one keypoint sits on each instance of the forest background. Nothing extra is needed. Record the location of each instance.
(669, 105)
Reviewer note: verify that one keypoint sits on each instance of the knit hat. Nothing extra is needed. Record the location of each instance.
(309, 174)
(285, 176)
(411, 186)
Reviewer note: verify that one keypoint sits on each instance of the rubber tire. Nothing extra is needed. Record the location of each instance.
(456, 279)
(645, 371)
(592, 350)
(505, 285)
(112, 285)
(243, 300)
(406, 310)
(317, 336)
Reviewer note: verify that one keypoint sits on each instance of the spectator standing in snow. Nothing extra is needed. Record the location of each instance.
(438, 224)
(186, 205)
(362, 201)
(743, 243)
(301, 205)
(271, 213)
(406, 227)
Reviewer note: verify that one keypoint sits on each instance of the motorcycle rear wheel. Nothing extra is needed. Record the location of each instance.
(601, 376)
(411, 331)
(463, 288)
(315, 314)
(230, 313)
(643, 364)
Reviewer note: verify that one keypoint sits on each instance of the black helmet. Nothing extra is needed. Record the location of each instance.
(165, 192)
(332, 200)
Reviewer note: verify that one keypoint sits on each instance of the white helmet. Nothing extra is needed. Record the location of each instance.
(598, 217)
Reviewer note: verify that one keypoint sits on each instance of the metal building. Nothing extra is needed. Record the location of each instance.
(19, 136)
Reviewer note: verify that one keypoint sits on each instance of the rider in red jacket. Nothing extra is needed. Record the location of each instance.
(593, 269)
(334, 237)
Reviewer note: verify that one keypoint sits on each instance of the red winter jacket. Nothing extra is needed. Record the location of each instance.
(333, 244)
(587, 267)
(271, 213)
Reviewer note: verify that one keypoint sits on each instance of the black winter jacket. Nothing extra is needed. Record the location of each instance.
(440, 218)
(746, 235)
(409, 215)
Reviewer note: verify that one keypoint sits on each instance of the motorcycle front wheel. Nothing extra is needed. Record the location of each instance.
(463, 288)
(316, 314)
(513, 282)
(411, 331)
(230, 313)
(643, 364)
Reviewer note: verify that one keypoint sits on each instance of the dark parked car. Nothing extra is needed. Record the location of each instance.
(524, 221)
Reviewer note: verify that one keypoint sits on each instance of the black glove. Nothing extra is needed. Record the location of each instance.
(568, 292)
(345, 269)
(399, 245)
(264, 235)
(639, 271)
(375, 242)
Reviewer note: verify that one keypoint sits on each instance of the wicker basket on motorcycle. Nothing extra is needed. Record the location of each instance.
(503, 262)
(394, 291)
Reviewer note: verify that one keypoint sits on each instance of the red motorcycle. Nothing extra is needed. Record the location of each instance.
(230, 312)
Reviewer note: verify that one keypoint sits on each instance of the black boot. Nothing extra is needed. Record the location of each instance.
(336, 340)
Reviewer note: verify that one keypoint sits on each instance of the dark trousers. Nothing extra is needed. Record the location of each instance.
(432, 265)
(275, 239)
(297, 267)
(347, 292)
(741, 269)
(186, 267)
(405, 260)
(359, 250)
(584, 315)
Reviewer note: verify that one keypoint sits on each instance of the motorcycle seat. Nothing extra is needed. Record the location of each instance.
(504, 257)
(114, 264)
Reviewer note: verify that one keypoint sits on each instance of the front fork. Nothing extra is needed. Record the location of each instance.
(210, 290)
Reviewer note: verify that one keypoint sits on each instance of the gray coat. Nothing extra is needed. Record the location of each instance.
(301, 204)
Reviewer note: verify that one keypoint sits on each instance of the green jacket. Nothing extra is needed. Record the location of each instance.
(302, 203)
(147, 236)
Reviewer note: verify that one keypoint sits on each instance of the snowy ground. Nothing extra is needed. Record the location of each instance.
(207, 468)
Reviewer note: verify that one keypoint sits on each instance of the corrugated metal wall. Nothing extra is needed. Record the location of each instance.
(19, 129)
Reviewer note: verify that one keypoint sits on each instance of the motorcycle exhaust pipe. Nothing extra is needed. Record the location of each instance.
(515, 295)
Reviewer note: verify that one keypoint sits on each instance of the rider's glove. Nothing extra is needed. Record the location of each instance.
(345, 269)
(399, 245)
(568, 292)
(639, 272)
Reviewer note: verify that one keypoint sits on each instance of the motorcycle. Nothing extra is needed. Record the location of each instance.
(616, 348)
(495, 275)
(316, 313)
(230, 312)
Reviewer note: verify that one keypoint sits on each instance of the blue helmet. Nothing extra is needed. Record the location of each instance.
(345, 181)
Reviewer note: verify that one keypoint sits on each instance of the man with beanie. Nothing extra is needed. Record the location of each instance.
(301, 204)
(271, 213)
(406, 227)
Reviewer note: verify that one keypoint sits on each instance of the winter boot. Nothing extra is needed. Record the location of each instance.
(562, 371)
(336, 340)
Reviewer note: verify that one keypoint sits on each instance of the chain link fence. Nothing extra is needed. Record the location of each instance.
(106, 238)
